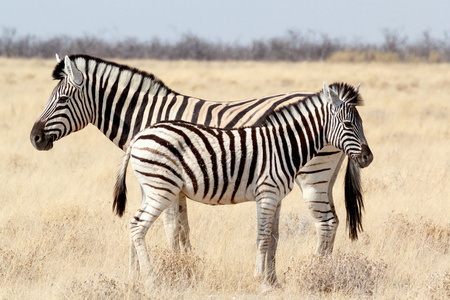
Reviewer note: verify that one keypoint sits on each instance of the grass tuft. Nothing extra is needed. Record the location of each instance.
(349, 274)
(176, 269)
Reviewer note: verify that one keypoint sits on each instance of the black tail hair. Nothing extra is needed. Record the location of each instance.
(120, 189)
(353, 199)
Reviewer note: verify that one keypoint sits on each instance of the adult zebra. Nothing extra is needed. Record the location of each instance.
(228, 166)
(120, 101)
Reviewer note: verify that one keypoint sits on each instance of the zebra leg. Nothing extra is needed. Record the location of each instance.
(147, 214)
(185, 243)
(266, 211)
(134, 263)
(316, 180)
(176, 225)
(271, 259)
(133, 260)
(172, 226)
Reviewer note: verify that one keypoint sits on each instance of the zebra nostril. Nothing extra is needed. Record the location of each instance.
(37, 139)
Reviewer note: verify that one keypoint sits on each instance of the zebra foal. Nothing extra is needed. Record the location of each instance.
(229, 166)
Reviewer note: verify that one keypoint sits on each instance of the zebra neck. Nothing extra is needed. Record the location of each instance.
(118, 95)
(301, 131)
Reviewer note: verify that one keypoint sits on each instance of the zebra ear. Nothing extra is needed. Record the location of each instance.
(71, 70)
(58, 59)
(332, 96)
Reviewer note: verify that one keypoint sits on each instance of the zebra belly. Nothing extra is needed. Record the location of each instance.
(221, 196)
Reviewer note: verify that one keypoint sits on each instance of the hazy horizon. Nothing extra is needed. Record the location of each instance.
(228, 22)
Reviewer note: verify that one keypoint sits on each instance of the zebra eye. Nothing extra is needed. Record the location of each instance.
(63, 99)
(348, 124)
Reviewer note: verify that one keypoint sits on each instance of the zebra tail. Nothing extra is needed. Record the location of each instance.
(120, 189)
(353, 199)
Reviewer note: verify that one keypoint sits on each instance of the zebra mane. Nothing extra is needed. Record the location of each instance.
(347, 93)
(58, 72)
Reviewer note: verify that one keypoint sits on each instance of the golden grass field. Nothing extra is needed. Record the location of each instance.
(60, 240)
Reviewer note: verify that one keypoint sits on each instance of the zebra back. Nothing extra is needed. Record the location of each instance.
(202, 161)
(125, 100)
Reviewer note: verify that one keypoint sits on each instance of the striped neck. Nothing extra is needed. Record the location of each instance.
(114, 92)
(302, 129)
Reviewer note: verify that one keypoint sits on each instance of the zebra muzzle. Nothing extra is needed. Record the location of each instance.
(38, 139)
(366, 156)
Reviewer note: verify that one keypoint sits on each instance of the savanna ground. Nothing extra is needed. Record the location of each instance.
(59, 238)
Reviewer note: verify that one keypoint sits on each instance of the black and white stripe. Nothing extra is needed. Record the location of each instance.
(120, 101)
(228, 166)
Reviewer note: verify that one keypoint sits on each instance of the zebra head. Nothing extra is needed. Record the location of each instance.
(65, 111)
(345, 130)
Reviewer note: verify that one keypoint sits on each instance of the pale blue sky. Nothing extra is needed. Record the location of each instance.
(227, 21)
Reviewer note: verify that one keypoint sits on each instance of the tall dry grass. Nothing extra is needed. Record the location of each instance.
(59, 238)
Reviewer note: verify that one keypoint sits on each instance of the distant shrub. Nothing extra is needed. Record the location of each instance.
(292, 46)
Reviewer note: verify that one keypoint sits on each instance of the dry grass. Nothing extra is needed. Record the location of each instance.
(59, 238)
(347, 274)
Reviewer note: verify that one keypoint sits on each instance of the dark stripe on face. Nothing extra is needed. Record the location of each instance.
(59, 131)
(74, 108)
